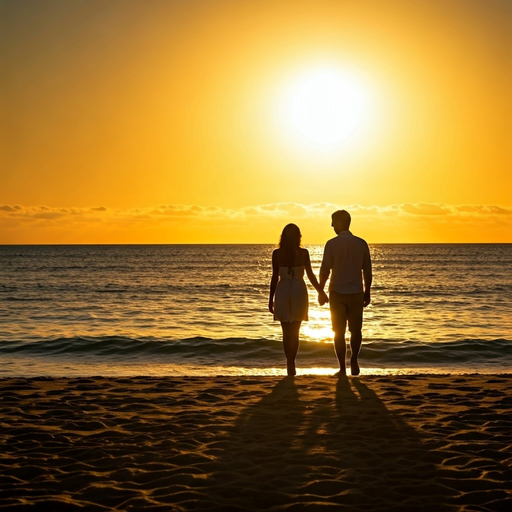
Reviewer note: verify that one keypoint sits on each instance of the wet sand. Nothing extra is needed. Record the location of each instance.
(400, 443)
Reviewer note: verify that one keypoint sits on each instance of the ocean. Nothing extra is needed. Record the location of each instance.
(201, 310)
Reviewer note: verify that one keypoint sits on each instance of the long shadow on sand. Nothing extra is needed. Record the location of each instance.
(301, 449)
(385, 463)
(259, 465)
(231, 444)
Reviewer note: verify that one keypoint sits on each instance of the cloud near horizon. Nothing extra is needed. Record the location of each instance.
(171, 223)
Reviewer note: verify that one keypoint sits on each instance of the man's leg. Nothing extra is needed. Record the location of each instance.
(355, 326)
(340, 346)
(356, 339)
(339, 326)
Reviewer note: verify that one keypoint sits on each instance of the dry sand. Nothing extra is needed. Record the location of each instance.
(259, 443)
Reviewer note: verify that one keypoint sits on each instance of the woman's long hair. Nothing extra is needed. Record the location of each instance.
(289, 243)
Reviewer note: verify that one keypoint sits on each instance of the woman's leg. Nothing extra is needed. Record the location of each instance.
(286, 326)
(290, 344)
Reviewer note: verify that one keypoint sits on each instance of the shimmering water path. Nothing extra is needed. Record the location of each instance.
(202, 309)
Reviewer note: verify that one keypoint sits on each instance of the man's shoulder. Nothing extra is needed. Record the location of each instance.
(354, 240)
(331, 241)
(348, 237)
(363, 244)
(360, 240)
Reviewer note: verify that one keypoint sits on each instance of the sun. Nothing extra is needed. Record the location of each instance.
(323, 108)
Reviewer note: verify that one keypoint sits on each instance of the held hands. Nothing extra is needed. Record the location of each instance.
(271, 306)
(367, 298)
(322, 298)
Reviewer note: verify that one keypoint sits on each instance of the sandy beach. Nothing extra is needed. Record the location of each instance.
(401, 443)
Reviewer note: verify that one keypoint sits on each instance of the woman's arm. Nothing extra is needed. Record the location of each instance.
(273, 281)
(322, 296)
(309, 271)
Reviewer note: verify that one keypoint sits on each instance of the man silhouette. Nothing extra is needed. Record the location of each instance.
(348, 257)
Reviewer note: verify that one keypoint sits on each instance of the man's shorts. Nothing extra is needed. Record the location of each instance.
(346, 307)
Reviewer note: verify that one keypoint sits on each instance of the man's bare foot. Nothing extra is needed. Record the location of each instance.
(354, 367)
(290, 370)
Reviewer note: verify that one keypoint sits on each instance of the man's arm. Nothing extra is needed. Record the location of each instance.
(367, 277)
(324, 276)
(322, 296)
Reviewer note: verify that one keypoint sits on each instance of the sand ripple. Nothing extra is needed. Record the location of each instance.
(419, 443)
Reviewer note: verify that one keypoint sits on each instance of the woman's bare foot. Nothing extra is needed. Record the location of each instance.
(290, 369)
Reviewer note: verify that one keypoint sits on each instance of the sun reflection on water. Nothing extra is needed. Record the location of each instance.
(318, 327)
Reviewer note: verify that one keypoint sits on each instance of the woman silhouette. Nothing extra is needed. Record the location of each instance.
(288, 300)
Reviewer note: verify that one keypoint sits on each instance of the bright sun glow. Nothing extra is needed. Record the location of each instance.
(323, 108)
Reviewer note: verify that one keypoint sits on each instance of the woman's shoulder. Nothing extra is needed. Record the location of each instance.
(303, 256)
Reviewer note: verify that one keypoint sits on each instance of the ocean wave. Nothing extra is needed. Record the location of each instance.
(25, 299)
(260, 352)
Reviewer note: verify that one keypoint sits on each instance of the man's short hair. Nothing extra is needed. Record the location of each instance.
(343, 217)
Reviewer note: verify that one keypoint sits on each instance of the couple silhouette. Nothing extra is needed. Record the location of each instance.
(346, 261)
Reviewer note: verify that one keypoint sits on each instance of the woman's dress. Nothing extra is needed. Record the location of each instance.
(291, 298)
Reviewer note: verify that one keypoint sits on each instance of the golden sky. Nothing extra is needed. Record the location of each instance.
(214, 121)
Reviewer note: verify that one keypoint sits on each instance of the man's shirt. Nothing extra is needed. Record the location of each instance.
(347, 256)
